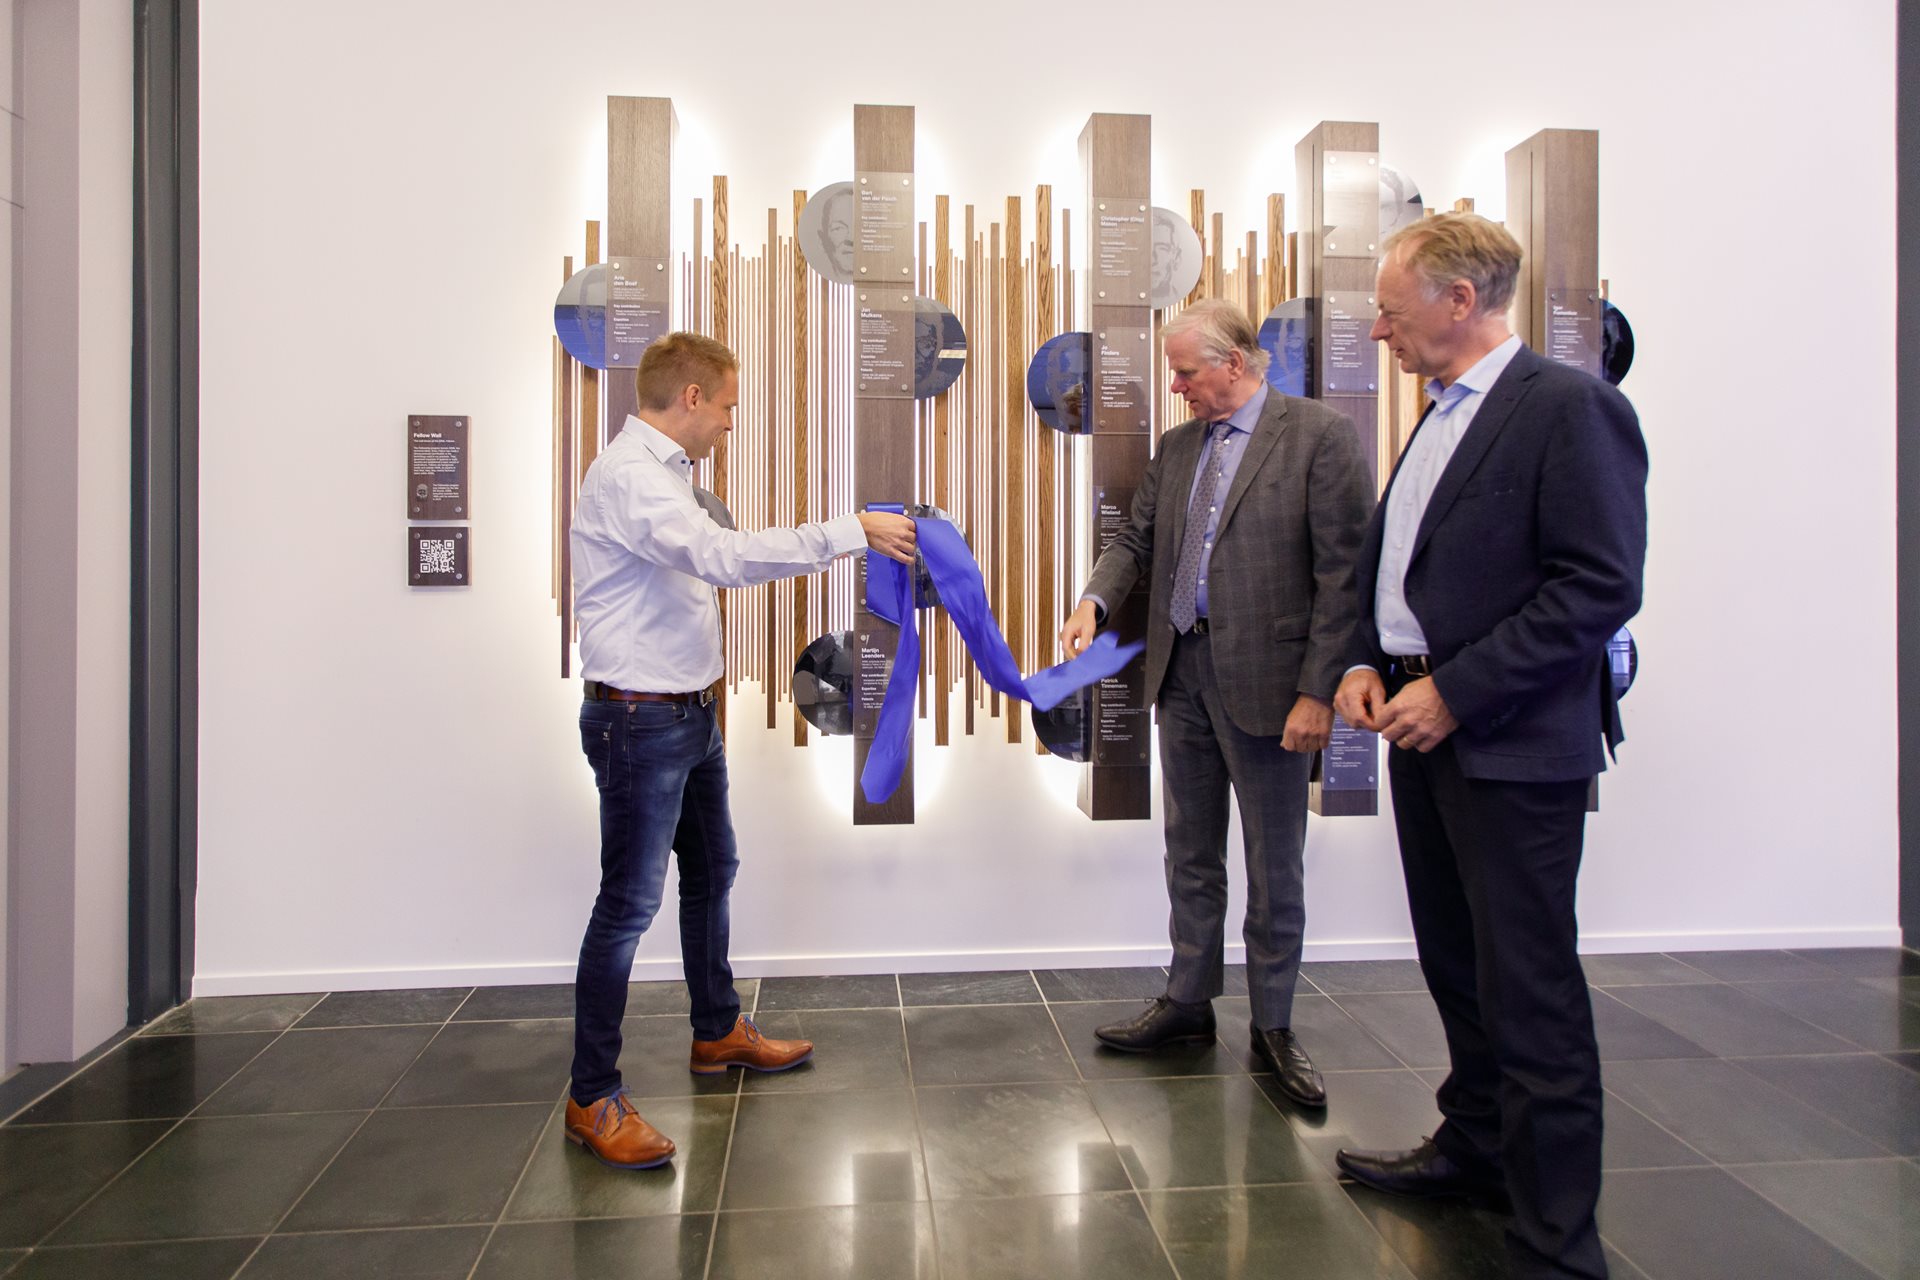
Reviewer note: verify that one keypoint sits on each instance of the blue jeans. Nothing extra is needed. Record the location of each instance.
(662, 774)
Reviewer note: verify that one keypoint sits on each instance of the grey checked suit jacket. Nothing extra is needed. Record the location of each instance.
(1280, 586)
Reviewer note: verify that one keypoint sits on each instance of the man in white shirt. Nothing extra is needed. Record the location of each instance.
(646, 560)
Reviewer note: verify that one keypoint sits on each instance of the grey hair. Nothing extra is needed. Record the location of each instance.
(1221, 328)
(1460, 246)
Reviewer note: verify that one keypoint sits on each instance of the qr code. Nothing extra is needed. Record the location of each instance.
(436, 555)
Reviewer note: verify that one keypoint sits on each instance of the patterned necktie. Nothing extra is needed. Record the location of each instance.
(1186, 575)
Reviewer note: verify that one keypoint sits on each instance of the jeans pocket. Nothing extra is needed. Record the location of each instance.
(648, 717)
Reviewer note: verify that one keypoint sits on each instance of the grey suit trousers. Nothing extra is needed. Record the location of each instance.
(1202, 755)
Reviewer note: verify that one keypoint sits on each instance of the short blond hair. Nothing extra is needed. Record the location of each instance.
(1461, 246)
(676, 360)
(1221, 328)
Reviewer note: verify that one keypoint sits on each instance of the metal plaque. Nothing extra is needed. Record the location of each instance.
(1067, 730)
(1400, 202)
(1616, 343)
(823, 677)
(883, 344)
(1122, 360)
(939, 348)
(1059, 380)
(639, 296)
(1121, 256)
(873, 642)
(1573, 328)
(1351, 760)
(1121, 731)
(437, 467)
(580, 316)
(1112, 508)
(1350, 204)
(1351, 365)
(826, 232)
(1287, 337)
(1176, 258)
(883, 228)
(437, 557)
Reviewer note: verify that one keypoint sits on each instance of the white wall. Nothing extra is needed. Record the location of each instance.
(71, 501)
(391, 790)
(10, 196)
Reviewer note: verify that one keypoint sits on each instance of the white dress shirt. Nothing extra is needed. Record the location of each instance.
(1427, 457)
(646, 560)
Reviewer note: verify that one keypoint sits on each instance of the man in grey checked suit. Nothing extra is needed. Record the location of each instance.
(1245, 525)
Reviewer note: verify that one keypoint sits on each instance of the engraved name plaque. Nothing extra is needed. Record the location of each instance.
(638, 296)
(437, 467)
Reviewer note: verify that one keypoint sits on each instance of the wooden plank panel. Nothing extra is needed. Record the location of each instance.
(641, 133)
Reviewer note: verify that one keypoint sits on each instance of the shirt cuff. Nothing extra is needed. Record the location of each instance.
(1099, 606)
(845, 534)
(1359, 666)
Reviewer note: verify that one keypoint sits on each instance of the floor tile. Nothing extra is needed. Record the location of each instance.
(1366, 1110)
(653, 1061)
(1213, 1132)
(861, 991)
(1731, 1117)
(149, 1077)
(174, 1260)
(1016, 1140)
(1233, 980)
(671, 1248)
(1435, 1239)
(1231, 1054)
(1871, 1018)
(1073, 1237)
(1727, 1021)
(852, 1049)
(566, 1181)
(1014, 986)
(1251, 1233)
(1408, 1024)
(9, 1257)
(1865, 962)
(1365, 977)
(47, 1173)
(1704, 1225)
(1632, 1141)
(485, 1062)
(1333, 1039)
(1618, 1268)
(996, 1044)
(386, 1008)
(1863, 1091)
(244, 1174)
(1625, 1034)
(212, 1014)
(1911, 1061)
(1642, 969)
(509, 1004)
(417, 1168)
(349, 1069)
(648, 999)
(868, 1241)
(1870, 1209)
(1754, 966)
(416, 1253)
(800, 1149)
(1138, 983)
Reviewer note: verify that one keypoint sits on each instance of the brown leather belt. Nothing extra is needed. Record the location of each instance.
(597, 692)
(1413, 664)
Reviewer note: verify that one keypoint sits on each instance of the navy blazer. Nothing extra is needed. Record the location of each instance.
(1528, 559)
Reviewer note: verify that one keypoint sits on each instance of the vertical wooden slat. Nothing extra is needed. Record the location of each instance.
(942, 470)
(1217, 286)
(802, 631)
(1046, 608)
(769, 516)
(1197, 216)
(589, 424)
(970, 451)
(1016, 469)
(1276, 272)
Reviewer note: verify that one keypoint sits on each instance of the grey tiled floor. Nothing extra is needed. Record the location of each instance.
(1763, 1118)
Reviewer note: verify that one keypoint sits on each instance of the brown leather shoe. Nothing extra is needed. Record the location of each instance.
(616, 1135)
(744, 1046)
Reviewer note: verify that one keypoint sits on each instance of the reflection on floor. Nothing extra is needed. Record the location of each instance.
(1763, 1120)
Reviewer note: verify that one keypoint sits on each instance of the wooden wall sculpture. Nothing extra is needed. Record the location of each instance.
(808, 444)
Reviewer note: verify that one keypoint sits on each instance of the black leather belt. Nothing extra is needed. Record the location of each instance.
(597, 692)
(1413, 664)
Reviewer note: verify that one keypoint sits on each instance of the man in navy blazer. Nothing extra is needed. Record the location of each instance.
(1506, 551)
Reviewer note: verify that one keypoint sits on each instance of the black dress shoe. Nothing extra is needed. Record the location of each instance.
(1292, 1069)
(1423, 1171)
(1165, 1022)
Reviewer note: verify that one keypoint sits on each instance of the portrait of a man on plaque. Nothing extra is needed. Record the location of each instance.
(1058, 382)
(826, 232)
(1286, 336)
(1174, 258)
(939, 348)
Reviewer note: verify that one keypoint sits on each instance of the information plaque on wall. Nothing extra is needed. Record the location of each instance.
(437, 467)
(438, 557)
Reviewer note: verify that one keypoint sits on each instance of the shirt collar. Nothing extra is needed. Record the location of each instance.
(1247, 416)
(658, 443)
(1481, 377)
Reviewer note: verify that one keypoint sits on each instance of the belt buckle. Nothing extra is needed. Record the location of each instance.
(704, 697)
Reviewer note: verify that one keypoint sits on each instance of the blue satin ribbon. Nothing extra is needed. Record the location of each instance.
(956, 577)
